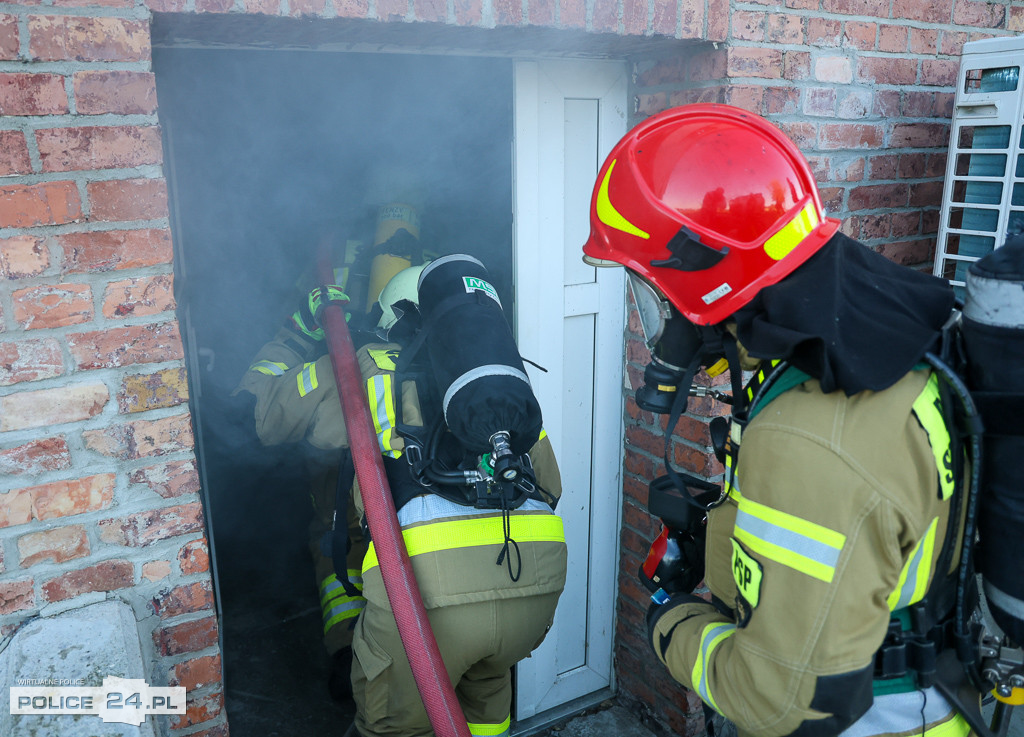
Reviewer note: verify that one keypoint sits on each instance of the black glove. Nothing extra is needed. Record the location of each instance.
(660, 606)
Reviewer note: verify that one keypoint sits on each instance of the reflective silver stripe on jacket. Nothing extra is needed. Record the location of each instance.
(306, 379)
(902, 713)
(431, 506)
(1003, 600)
(270, 368)
(494, 369)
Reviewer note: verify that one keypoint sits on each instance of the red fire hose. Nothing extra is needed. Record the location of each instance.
(443, 710)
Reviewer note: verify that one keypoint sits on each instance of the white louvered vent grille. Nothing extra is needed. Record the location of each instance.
(983, 195)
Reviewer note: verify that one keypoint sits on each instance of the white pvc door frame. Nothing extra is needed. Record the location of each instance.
(570, 318)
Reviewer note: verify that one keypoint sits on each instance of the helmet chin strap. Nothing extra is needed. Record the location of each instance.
(716, 340)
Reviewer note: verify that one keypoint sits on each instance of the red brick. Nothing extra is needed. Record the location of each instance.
(754, 62)
(854, 103)
(21, 256)
(127, 199)
(832, 198)
(218, 731)
(820, 101)
(634, 17)
(934, 11)
(823, 32)
(748, 25)
(156, 570)
(907, 253)
(919, 135)
(905, 224)
(74, 496)
(32, 94)
(16, 596)
(115, 92)
(860, 35)
(981, 14)
(65, 37)
(924, 41)
(746, 96)
(14, 158)
(796, 65)
(874, 196)
(912, 166)
(54, 406)
(926, 194)
(214, 6)
(57, 545)
(884, 167)
(115, 249)
(470, 12)
(917, 104)
(98, 147)
(342, 8)
(142, 438)
(199, 709)
(784, 28)
(145, 295)
(392, 10)
(873, 227)
(16, 507)
(271, 7)
(665, 16)
(47, 203)
(30, 360)
(718, 22)
(939, 72)
(850, 7)
(887, 70)
(437, 10)
(169, 480)
(187, 637)
(605, 16)
(803, 134)
(952, 43)
(142, 392)
(178, 6)
(185, 599)
(781, 100)
(144, 528)
(834, 69)
(647, 105)
(9, 42)
(36, 456)
(109, 575)
(52, 305)
(194, 557)
(196, 673)
(887, 104)
(850, 135)
(1015, 20)
(296, 8)
(93, 3)
(893, 38)
(125, 346)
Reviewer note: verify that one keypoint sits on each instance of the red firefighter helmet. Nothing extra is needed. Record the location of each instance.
(710, 204)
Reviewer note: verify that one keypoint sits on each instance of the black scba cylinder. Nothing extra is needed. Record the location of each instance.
(993, 330)
(476, 363)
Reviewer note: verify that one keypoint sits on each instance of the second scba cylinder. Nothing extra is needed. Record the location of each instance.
(477, 366)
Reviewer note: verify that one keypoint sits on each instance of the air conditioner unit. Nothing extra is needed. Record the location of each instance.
(983, 195)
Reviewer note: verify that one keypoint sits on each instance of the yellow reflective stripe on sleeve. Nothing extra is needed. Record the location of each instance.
(468, 533)
(331, 588)
(306, 379)
(784, 538)
(270, 368)
(913, 581)
(382, 409)
(789, 237)
(384, 358)
(607, 213)
(928, 409)
(955, 727)
(335, 604)
(490, 730)
(710, 638)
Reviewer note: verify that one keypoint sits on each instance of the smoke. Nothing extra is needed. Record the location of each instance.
(269, 152)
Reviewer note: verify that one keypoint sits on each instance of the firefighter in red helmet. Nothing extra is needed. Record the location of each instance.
(829, 548)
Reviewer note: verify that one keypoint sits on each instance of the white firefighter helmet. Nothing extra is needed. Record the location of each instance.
(401, 286)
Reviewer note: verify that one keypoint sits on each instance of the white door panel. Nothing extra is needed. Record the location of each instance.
(570, 319)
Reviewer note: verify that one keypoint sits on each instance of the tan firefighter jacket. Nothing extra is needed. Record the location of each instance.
(836, 512)
(297, 398)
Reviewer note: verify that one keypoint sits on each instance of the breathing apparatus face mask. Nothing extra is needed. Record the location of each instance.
(674, 342)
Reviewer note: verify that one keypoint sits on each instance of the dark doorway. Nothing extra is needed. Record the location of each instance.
(266, 152)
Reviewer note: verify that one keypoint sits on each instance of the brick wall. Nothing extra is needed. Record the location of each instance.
(99, 492)
(867, 94)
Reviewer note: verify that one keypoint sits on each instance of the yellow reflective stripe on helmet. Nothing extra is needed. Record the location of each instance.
(789, 237)
(270, 368)
(710, 638)
(468, 533)
(490, 730)
(913, 581)
(928, 408)
(784, 538)
(607, 213)
(382, 409)
(306, 379)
